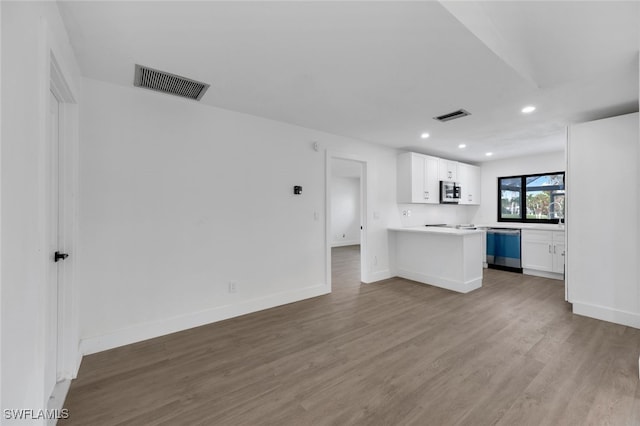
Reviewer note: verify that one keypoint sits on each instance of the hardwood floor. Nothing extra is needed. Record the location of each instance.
(394, 352)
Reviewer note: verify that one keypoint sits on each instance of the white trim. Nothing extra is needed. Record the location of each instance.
(1, 286)
(68, 329)
(567, 230)
(630, 319)
(58, 82)
(543, 274)
(41, 121)
(140, 332)
(57, 398)
(459, 286)
(364, 209)
(379, 276)
(364, 212)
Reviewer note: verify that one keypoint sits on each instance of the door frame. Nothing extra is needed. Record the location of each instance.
(68, 356)
(329, 157)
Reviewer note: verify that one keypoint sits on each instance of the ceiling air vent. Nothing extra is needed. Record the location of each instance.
(165, 82)
(452, 115)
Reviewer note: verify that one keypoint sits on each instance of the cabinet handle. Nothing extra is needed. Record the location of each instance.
(554, 249)
(426, 195)
(549, 248)
(470, 197)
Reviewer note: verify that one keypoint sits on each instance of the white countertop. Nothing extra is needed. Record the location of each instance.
(438, 230)
(455, 231)
(516, 225)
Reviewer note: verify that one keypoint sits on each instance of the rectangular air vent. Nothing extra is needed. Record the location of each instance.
(165, 82)
(452, 115)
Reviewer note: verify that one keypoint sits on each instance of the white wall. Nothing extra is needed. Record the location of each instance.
(30, 31)
(179, 199)
(345, 211)
(602, 219)
(1, 236)
(492, 170)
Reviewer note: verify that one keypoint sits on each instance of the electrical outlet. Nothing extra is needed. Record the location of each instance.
(232, 287)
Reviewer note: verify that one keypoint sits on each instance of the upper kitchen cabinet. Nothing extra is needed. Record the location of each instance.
(469, 180)
(417, 179)
(448, 170)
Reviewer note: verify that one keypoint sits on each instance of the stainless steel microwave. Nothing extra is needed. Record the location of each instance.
(449, 192)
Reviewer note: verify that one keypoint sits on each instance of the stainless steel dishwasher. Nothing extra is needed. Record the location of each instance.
(503, 249)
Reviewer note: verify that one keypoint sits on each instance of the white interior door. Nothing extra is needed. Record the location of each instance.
(51, 361)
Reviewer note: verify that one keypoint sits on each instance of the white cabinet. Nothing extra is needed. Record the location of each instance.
(448, 170)
(469, 180)
(602, 254)
(543, 253)
(558, 252)
(418, 179)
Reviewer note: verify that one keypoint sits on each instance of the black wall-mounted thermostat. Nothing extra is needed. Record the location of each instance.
(297, 190)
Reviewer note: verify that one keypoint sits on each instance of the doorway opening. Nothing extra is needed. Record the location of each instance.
(346, 219)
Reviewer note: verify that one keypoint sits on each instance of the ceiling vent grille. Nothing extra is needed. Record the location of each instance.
(452, 115)
(165, 82)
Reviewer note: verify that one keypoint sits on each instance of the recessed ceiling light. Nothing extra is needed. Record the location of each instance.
(528, 109)
(489, 154)
(424, 135)
(462, 146)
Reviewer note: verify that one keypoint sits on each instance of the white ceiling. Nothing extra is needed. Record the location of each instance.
(379, 71)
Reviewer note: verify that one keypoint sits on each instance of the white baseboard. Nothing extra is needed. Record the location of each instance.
(140, 332)
(459, 286)
(604, 313)
(78, 363)
(543, 274)
(57, 398)
(345, 243)
(378, 276)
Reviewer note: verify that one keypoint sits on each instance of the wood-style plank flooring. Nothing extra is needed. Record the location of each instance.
(391, 353)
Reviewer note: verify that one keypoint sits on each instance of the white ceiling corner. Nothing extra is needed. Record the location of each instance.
(473, 15)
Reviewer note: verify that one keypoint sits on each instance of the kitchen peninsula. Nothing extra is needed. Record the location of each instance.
(440, 256)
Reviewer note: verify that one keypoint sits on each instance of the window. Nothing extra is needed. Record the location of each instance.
(531, 198)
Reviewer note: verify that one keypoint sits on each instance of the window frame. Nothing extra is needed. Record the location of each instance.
(523, 198)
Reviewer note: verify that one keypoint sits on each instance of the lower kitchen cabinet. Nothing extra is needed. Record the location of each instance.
(558, 252)
(543, 253)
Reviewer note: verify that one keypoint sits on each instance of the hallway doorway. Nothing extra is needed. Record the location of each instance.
(346, 219)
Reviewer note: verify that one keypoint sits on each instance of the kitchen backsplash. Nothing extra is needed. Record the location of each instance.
(421, 214)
